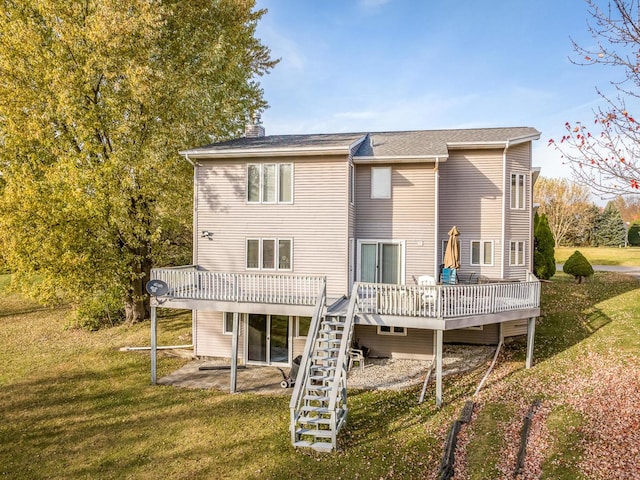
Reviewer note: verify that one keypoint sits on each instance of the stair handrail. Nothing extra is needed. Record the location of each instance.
(305, 363)
(344, 346)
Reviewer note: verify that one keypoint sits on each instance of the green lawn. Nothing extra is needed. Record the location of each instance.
(629, 256)
(74, 406)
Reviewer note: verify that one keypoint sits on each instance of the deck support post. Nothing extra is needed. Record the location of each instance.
(234, 354)
(154, 344)
(531, 331)
(438, 353)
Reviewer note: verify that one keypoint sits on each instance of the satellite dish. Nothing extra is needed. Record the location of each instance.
(156, 288)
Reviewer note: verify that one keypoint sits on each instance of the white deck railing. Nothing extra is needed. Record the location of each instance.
(191, 282)
(446, 301)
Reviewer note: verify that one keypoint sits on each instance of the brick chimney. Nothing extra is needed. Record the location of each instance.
(255, 128)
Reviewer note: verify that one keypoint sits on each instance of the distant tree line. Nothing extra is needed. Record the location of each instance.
(576, 221)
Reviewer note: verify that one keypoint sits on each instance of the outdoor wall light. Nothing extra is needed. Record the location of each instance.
(207, 234)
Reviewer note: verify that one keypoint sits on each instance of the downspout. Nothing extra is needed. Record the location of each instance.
(194, 261)
(437, 217)
(506, 183)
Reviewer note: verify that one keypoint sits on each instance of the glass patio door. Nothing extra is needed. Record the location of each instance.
(268, 339)
(380, 262)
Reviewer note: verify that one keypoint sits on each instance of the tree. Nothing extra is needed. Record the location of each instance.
(606, 156)
(96, 99)
(634, 235)
(565, 204)
(544, 262)
(629, 207)
(610, 231)
(578, 266)
(583, 232)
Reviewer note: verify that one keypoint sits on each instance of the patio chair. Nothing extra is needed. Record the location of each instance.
(356, 355)
(430, 295)
(449, 276)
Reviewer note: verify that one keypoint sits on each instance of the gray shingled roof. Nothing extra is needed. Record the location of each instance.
(418, 143)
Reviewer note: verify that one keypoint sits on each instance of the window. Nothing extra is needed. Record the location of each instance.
(270, 183)
(380, 182)
(481, 253)
(227, 324)
(268, 254)
(386, 330)
(517, 191)
(516, 254)
(302, 326)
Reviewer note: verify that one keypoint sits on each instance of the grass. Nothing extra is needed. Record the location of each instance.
(74, 406)
(628, 257)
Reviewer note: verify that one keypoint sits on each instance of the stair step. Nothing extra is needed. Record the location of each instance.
(322, 378)
(324, 359)
(316, 398)
(318, 388)
(328, 350)
(314, 420)
(311, 408)
(322, 368)
(318, 446)
(314, 432)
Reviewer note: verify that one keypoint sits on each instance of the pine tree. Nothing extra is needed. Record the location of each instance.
(544, 262)
(611, 231)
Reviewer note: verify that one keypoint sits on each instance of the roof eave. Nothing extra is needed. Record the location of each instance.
(400, 158)
(266, 152)
(493, 144)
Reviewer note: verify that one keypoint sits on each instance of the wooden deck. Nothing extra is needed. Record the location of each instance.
(438, 307)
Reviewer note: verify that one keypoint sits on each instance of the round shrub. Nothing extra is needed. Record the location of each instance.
(578, 266)
(634, 235)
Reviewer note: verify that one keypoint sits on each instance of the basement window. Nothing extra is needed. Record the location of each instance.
(387, 330)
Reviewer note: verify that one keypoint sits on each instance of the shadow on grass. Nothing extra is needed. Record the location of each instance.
(570, 311)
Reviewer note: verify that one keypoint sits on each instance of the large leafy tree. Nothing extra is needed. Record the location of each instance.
(605, 154)
(565, 204)
(96, 98)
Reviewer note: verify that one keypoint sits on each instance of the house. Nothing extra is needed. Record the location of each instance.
(304, 244)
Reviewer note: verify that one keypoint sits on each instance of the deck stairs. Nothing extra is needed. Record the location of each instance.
(319, 401)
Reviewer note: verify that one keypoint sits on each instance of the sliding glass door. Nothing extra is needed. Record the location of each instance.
(268, 339)
(380, 261)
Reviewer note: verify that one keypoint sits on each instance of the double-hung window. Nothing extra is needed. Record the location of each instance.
(270, 183)
(516, 253)
(269, 254)
(482, 252)
(518, 184)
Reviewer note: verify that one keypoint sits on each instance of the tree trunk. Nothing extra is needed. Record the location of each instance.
(137, 303)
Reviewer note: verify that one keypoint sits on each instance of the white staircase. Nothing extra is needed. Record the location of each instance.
(319, 401)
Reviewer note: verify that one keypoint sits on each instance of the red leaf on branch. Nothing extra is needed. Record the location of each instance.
(622, 159)
(634, 184)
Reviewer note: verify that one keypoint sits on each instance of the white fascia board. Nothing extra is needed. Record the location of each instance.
(401, 159)
(498, 144)
(267, 152)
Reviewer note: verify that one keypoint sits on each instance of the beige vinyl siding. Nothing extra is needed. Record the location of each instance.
(471, 189)
(316, 221)
(408, 215)
(518, 222)
(211, 342)
(515, 327)
(417, 344)
(489, 335)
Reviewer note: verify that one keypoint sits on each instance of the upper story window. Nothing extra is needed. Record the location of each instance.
(270, 183)
(269, 254)
(482, 252)
(380, 182)
(518, 190)
(516, 254)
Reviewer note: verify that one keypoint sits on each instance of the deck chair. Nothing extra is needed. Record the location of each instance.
(449, 276)
(429, 296)
(356, 355)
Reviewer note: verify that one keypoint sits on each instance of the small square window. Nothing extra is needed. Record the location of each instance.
(388, 330)
(380, 182)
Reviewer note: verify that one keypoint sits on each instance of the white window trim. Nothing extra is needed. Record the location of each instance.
(524, 253)
(261, 184)
(520, 197)
(482, 243)
(390, 183)
(477, 327)
(276, 253)
(224, 324)
(403, 252)
(403, 333)
(297, 328)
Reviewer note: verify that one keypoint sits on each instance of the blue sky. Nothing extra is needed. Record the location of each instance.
(379, 65)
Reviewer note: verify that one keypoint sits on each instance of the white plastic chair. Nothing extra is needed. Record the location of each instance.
(430, 295)
(356, 355)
